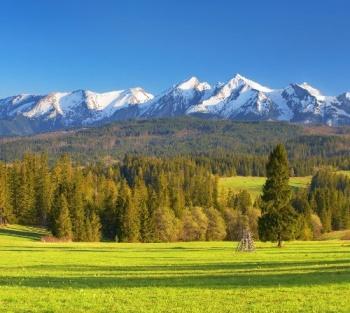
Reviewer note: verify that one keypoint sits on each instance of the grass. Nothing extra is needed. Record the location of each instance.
(337, 235)
(254, 184)
(347, 173)
(173, 277)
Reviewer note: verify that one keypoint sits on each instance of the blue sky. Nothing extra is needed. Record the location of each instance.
(104, 45)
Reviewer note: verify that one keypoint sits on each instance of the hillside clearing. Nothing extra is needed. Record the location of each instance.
(254, 184)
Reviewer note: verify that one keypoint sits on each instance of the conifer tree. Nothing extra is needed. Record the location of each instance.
(77, 210)
(43, 191)
(6, 210)
(26, 191)
(63, 222)
(109, 217)
(128, 223)
(93, 226)
(278, 216)
(140, 197)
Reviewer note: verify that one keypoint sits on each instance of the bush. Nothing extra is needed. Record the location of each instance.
(216, 226)
(316, 227)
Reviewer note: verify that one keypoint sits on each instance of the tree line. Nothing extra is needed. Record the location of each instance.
(153, 199)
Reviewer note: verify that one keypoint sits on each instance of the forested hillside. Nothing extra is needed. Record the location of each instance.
(228, 147)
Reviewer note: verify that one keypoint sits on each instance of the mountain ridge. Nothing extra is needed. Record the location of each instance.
(238, 99)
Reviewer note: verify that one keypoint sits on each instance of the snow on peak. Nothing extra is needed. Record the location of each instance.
(137, 95)
(193, 83)
(15, 100)
(74, 103)
(116, 99)
(313, 91)
(241, 80)
(239, 97)
(49, 103)
(189, 83)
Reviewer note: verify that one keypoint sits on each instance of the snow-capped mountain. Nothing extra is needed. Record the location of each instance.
(178, 99)
(239, 98)
(72, 109)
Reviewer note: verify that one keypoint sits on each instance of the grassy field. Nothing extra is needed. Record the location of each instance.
(176, 277)
(344, 172)
(339, 235)
(254, 184)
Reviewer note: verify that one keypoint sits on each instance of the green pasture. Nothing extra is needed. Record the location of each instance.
(171, 277)
(254, 184)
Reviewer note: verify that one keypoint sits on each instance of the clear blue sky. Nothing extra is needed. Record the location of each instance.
(104, 45)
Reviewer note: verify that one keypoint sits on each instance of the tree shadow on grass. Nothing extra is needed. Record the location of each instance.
(218, 281)
(33, 234)
(114, 249)
(208, 276)
(229, 267)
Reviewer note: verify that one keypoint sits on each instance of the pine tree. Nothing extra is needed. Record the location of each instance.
(26, 191)
(93, 226)
(63, 222)
(140, 197)
(128, 222)
(278, 217)
(43, 191)
(77, 209)
(6, 210)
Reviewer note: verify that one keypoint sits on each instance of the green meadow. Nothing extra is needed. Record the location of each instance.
(254, 184)
(171, 277)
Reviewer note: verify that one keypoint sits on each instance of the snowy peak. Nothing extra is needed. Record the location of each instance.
(178, 99)
(76, 107)
(228, 98)
(134, 96)
(193, 83)
(344, 96)
(14, 105)
(304, 89)
(239, 80)
(312, 91)
(238, 98)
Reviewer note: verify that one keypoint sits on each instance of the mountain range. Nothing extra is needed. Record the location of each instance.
(237, 99)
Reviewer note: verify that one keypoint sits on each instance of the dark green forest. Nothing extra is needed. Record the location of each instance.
(227, 147)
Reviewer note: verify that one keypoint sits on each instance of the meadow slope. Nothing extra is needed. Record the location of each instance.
(254, 184)
(171, 277)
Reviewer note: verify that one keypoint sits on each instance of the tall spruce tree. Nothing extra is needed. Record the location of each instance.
(6, 210)
(278, 219)
(140, 196)
(43, 190)
(128, 223)
(77, 210)
(63, 222)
